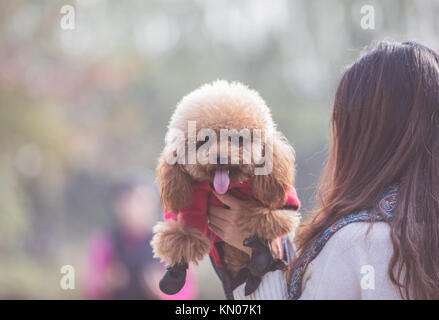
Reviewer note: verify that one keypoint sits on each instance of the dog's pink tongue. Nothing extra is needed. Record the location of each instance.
(221, 181)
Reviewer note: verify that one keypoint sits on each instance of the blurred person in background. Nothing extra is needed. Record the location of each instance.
(120, 263)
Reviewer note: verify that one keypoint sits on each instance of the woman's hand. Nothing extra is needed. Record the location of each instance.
(223, 222)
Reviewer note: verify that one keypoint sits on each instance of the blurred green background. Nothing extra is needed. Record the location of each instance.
(81, 107)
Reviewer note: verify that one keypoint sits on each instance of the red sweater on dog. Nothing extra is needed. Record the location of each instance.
(202, 194)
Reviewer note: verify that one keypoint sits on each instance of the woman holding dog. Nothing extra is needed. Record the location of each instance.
(375, 233)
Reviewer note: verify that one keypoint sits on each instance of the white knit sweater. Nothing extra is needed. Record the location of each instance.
(352, 265)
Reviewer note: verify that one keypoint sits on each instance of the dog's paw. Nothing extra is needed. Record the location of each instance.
(175, 243)
(268, 224)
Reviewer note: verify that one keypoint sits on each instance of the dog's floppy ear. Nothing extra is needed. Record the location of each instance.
(175, 186)
(271, 188)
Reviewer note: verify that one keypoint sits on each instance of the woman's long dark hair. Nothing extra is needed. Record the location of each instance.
(385, 130)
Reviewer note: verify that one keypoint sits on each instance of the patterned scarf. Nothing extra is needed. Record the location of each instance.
(386, 207)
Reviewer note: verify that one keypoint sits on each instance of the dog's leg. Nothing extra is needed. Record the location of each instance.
(267, 223)
(175, 243)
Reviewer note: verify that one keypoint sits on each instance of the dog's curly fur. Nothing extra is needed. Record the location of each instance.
(174, 243)
(267, 223)
(223, 105)
(234, 259)
(175, 186)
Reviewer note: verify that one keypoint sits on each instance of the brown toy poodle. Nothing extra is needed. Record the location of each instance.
(222, 138)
